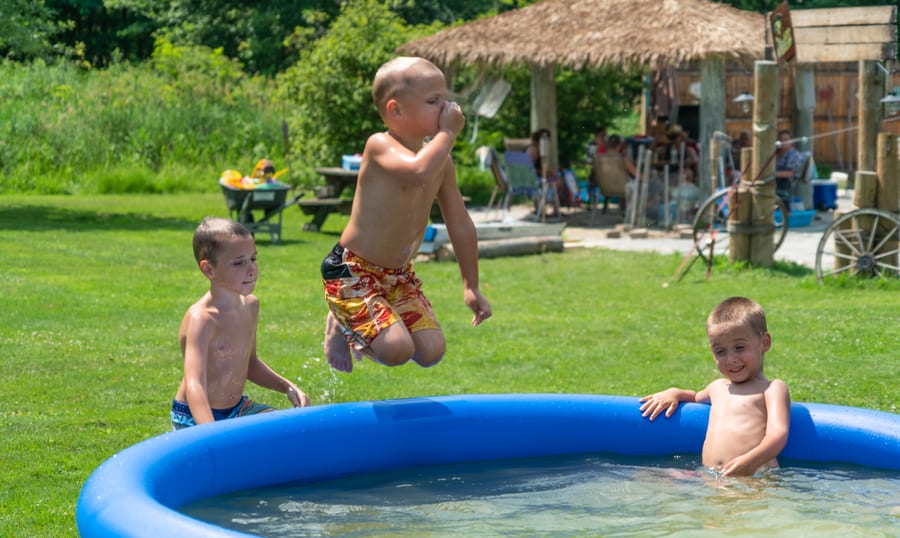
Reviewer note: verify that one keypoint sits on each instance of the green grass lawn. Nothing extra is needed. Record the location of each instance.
(94, 289)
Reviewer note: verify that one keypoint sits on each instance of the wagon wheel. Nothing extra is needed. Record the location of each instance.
(710, 228)
(863, 242)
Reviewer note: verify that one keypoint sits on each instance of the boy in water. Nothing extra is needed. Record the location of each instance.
(749, 415)
(218, 333)
(376, 304)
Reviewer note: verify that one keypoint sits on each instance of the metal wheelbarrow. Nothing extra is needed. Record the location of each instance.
(268, 203)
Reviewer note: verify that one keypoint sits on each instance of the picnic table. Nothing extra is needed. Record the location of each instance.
(328, 199)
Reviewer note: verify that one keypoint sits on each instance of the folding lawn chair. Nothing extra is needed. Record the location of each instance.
(520, 175)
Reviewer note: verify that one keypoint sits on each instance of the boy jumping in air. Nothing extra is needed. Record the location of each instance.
(376, 304)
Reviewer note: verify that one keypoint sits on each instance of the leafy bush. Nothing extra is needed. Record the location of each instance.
(330, 86)
(126, 128)
(176, 122)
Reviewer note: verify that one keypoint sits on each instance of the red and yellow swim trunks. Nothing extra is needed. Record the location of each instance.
(367, 298)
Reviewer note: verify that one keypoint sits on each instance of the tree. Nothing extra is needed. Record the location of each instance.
(416, 12)
(329, 88)
(264, 35)
(100, 34)
(256, 32)
(585, 99)
(329, 91)
(27, 30)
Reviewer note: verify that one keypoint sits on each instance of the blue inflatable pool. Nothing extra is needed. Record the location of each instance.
(136, 492)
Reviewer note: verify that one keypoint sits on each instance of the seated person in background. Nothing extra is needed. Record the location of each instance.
(670, 151)
(749, 414)
(600, 137)
(615, 148)
(534, 150)
(737, 144)
(691, 149)
(659, 130)
(683, 199)
(597, 146)
(686, 196)
(568, 188)
(787, 165)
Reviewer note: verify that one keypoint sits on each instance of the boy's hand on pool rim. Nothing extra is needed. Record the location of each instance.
(655, 404)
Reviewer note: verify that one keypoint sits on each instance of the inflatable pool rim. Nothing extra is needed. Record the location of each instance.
(137, 492)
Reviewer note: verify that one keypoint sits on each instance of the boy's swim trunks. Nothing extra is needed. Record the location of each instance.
(182, 418)
(367, 298)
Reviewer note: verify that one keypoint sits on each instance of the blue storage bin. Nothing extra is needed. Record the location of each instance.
(801, 218)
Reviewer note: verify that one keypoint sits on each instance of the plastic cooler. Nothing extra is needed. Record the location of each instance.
(351, 162)
(825, 193)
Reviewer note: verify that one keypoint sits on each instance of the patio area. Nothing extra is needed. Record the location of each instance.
(800, 244)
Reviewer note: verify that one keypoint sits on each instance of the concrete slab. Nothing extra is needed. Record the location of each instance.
(800, 244)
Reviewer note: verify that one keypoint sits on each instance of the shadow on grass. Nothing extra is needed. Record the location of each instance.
(43, 217)
(722, 265)
(48, 218)
(791, 268)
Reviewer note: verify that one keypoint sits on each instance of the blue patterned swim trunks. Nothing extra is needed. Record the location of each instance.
(182, 418)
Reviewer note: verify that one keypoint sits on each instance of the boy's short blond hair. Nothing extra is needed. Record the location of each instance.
(212, 233)
(737, 312)
(394, 77)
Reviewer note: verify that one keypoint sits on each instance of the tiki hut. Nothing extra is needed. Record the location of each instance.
(584, 34)
(595, 33)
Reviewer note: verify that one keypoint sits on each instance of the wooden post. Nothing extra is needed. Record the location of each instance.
(804, 106)
(867, 184)
(715, 146)
(759, 221)
(746, 158)
(739, 209)
(871, 90)
(888, 198)
(866, 191)
(645, 104)
(543, 91)
(712, 113)
(804, 115)
(888, 174)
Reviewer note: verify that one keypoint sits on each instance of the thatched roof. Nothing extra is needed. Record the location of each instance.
(595, 33)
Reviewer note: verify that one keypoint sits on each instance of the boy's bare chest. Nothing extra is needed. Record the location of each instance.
(740, 411)
(233, 337)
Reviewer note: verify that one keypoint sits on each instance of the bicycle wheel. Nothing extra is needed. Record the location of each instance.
(710, 227)
(863, 242)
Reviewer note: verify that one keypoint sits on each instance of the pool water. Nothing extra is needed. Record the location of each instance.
(583, 495)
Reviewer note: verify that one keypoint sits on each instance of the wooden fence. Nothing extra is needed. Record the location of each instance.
(835, 115)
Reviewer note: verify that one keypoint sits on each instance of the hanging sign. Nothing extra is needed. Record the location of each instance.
(782, 33)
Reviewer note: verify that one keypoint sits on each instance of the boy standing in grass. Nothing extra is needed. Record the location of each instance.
(749, 415)
(218, 333)
(376, 304)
